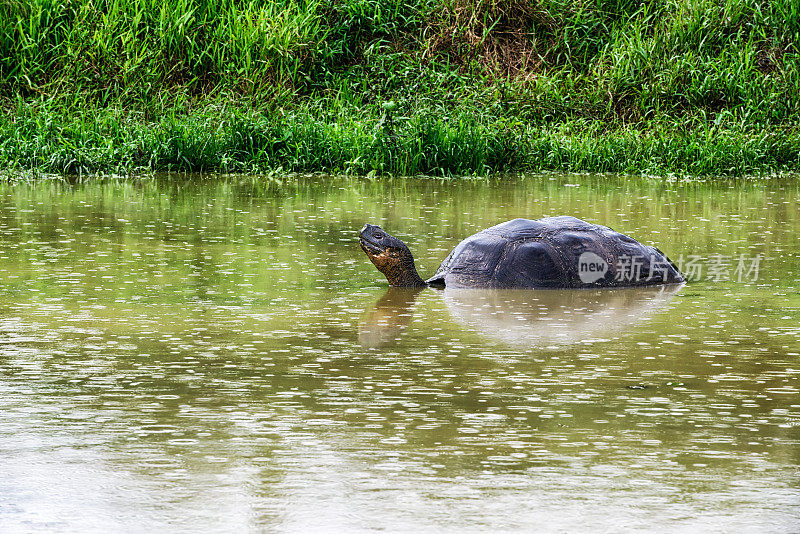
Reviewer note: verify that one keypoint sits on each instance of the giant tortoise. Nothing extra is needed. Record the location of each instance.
(554, 252)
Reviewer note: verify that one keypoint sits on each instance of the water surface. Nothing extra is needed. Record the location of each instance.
(219, 355)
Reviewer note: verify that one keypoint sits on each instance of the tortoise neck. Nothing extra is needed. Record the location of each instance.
(407, 275)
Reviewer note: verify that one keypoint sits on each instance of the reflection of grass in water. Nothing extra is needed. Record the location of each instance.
(476, 87)
(248, 216)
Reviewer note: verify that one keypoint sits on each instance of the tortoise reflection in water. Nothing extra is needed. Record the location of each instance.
(554, 253)
(518, 318)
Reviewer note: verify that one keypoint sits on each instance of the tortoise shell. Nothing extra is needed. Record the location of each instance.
(554, 252)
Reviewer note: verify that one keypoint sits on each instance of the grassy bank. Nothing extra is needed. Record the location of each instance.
(401, 87)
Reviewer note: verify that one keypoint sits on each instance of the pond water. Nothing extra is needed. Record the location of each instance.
(197, 355)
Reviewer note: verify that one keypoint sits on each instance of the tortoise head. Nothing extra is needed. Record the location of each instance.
(391, 256)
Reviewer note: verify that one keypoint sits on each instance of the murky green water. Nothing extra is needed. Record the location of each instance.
(219, 356)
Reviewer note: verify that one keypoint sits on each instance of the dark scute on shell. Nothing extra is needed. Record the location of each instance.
(530, 264)
(479, 255)
(476, 261)
(570, 246)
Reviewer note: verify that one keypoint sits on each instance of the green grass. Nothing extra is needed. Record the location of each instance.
(666, 86)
